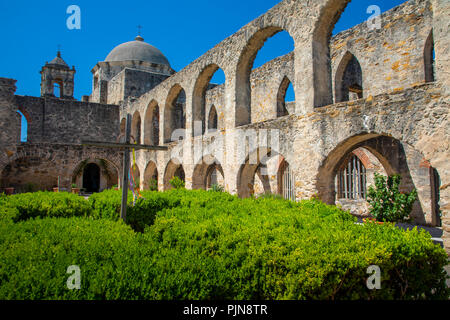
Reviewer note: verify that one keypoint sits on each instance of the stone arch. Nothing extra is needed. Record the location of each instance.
(202, 172)
(173, 168)
(174, 112)
(322, 78)
(136, 128)
(108, 173)
(150, 175)
(256, 174)
(394, 156)
(243, 72)
(348, 79)
(198, 98)
(151, 124)
(281, 97)
(212, 119)
(429, 61)
(123, 124)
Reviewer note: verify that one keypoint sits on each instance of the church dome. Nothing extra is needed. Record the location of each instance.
(137, 50)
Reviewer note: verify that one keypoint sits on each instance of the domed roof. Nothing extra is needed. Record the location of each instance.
(137, 50)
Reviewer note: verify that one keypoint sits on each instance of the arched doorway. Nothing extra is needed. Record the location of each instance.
(91, 178)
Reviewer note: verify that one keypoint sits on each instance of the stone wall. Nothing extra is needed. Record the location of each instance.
(68, 121)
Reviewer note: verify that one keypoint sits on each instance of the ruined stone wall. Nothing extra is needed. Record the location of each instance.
(391, 57)
(39, 166)
(9, 118)
(68, 121)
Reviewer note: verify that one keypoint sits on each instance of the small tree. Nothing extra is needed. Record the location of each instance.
(177, 183)
(387, 203)
(217, 188)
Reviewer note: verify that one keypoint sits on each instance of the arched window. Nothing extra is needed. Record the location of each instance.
(285, 95)
(23, 127)
(155, 126)
(136, 127)
(212, 119)
(58, 88)
(349, 79)
(209, 78)
(352, 180)
(175, 112)
(252, 57)
(429, 58)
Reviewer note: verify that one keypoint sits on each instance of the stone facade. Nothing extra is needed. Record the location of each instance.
(365, 92)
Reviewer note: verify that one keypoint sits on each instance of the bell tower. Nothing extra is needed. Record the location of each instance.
(57, 79)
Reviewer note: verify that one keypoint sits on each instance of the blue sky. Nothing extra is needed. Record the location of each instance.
(182, 30)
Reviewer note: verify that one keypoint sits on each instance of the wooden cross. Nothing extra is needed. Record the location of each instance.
(127, 146)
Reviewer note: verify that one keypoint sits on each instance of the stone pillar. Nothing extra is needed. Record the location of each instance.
(9, 124)
(441, 27)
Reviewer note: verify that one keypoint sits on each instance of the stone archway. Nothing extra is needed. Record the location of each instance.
(173, 169)
(204, 173)
(394, 156)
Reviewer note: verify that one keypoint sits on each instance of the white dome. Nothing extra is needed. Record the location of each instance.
(137, 50)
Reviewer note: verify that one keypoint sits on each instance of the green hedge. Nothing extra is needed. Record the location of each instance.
(42, 205)
(211, 245)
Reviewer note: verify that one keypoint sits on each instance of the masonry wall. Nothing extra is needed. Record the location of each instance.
(67, 121)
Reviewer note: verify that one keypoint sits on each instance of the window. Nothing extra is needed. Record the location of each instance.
(352, 180)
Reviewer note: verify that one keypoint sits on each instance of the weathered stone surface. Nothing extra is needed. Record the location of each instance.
(395, 122)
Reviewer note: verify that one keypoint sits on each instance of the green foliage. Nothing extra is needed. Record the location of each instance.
(200, 245)
(177, 183)
(387, 203)
(44, 204)
(153, 185)
(217, 188)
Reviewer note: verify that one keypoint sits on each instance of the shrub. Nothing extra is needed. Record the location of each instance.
(201, 245)
(177, 183)
(387, 203)
(217, 188)
(45, 204)
(153, 185)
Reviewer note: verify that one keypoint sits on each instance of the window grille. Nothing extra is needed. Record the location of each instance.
(352, 180)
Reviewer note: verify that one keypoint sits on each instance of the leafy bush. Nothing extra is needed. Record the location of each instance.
(177, 183)
(387, 203)
(153, 185)
(45, 204)
(212, 245)
(217, 188)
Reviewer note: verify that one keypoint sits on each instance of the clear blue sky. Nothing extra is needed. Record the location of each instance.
(182, 30)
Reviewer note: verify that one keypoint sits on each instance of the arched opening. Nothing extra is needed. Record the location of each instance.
(332, 20)
(435, 197)
(243, 112)
(429, 59)
(151, 177)
(24, 120)
(151, 124)
(173, 169)
(208, 173)
(58, 88)
(175, 114)
(212, 119)
(136, 128)
(91, 178)
(285, 97)
(286, 183)
(108, 174)
(203, 84)
(348, 172)
(258, 175)
(135, 178)
(349, 83)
